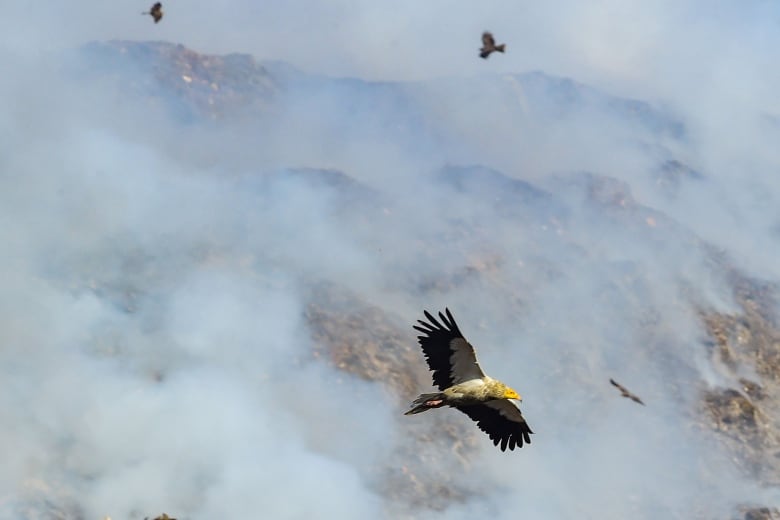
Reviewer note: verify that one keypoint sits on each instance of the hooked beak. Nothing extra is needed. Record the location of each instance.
(511, 394)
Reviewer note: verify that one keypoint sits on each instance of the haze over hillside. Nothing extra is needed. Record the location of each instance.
(215, 251)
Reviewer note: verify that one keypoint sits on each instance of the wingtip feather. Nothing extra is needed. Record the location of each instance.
(434, 322)
(444, 320)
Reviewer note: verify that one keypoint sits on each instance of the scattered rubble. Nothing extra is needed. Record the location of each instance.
(747, 415)
(758, 513)
(194, 86)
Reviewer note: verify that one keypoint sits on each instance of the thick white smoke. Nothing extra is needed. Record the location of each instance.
(153, 347)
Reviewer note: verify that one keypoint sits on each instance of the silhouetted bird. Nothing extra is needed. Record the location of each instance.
(156, 12)
(625, 393)
(489, 45)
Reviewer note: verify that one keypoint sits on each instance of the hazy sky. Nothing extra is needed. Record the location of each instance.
(131, 254)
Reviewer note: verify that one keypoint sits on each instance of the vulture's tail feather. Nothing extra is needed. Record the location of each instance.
(426, 402)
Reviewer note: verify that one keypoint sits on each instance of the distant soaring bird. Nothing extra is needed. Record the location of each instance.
(464, 386)
(489, 45)
(156, 12)
(625, 393)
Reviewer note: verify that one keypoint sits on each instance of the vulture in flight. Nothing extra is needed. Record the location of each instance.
(625, 393)
(156, 12)
(463, 384)
(489, 45)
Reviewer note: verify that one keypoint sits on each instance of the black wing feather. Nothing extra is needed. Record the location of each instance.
(435, 345)
(509, 434)
(625, 392)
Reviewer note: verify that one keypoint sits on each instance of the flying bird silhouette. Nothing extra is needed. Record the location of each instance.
(463, 384)
(156, 12)
(625, 393)
(489, 45)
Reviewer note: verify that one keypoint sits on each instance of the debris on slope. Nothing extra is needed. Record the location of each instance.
(746, 429)
(360, 339)
(758, 513)
(197, 86)
(746, 347)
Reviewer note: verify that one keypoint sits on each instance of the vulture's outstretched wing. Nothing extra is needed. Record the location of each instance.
(450, 357)
(625, 393)
(617, 385)
(502, 421)
(487, 40)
